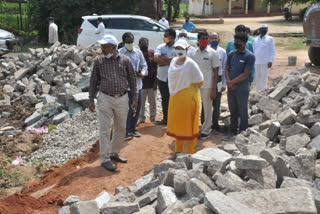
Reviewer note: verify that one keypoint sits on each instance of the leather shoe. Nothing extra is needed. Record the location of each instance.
(108, 165)
(119, 159)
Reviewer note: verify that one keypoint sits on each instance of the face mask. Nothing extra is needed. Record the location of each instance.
(263, 31)
(204, 43)
(237, 46)
(214, 44)
(181, 53)
(108, 56)
(143, 48)
(166, 39)
(128, 46)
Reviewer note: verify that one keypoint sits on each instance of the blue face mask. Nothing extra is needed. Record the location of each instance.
(108, 56)
(214, 44)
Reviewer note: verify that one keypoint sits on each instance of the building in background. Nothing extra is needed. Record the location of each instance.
(231, 8)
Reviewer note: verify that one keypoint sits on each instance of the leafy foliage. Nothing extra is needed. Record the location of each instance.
(284, 2)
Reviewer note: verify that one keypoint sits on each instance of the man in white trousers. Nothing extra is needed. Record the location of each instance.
(264, 51)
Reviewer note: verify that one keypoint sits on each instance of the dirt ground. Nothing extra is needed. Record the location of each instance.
(84, 176)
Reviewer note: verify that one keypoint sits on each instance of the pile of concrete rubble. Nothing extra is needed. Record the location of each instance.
(53, 80)
(271, 168)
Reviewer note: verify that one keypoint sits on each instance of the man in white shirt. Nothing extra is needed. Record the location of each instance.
(140, 66)
(264, 51)
(100, 29)
(53, 32)
(214, 40)
(164, 22)
(208, 61)
(183, 34)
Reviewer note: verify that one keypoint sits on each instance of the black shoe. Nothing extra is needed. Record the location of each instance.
(136, 134)
(161, 123)
(108, 165)
(128, 136)
(218, 129)
(203, 136)
(118, 159)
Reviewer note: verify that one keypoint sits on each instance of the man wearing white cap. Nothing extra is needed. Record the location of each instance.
(183, 34)
(264, 51)
(112, 75)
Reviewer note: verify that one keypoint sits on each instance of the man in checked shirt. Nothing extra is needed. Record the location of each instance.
(112, 75)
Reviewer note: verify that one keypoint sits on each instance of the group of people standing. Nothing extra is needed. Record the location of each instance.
(187, 77)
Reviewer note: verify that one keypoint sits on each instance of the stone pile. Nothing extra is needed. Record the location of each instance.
(272, 168)
(53, 80)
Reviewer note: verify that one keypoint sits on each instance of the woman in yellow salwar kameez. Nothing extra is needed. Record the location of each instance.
(184, 80)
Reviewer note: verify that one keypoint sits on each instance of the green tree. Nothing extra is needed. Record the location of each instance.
(68, 13)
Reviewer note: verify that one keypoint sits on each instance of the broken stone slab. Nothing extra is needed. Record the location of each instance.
(166, 165)
(309, 121)
(232, 168)
(184, 158)
(179, 182)
(6, 101)
(250, 162)
(202, 177)
(46, 62)
(30, 98)
(64, 210)
(211, 155)
(281, 90)
(73, 108)
(147, 187)
(228, 146)
(256, 119)
(166, 197)
(144, 180)
(59, 118)
(296, 128)
(82, 98)
(282, 169)
(229, 182)
(39, 123)
(147, 198)
(266, 177)
(48, 99)
(71, 200)
(102, 199)
(8, 90)
(5, 114)
(295, 142)
(85, 207)
(45, 88)
(21, 73)
(312, 82)
(273, 130)
(196, 188)
(124, 196)
(181, 207)
(315, 130)
(278, 201)
(287, 117)
(303, 164)
(265, 125)
(222, 204)
(315, 143)
(119, 207)
(295, 182)
(36, 116)
(268, 106)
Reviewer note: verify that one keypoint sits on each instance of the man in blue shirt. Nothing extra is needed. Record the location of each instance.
(249, 46)
(188, 25)
(240, 63)
(140, 66)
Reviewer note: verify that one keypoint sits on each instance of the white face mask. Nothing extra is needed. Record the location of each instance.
(181, 53)
(128, 46)
(108, 56)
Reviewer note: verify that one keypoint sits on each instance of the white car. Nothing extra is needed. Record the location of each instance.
(117, 25)
(8, 42)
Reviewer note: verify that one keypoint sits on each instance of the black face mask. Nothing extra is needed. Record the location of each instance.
(263, 31)
(144, 48)
(237, 45)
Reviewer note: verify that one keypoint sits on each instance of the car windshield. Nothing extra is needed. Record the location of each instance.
(155, 21)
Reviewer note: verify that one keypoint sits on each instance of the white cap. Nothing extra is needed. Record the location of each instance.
(181, 43)
(108, 39)
(183, 31)
(264, 26)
